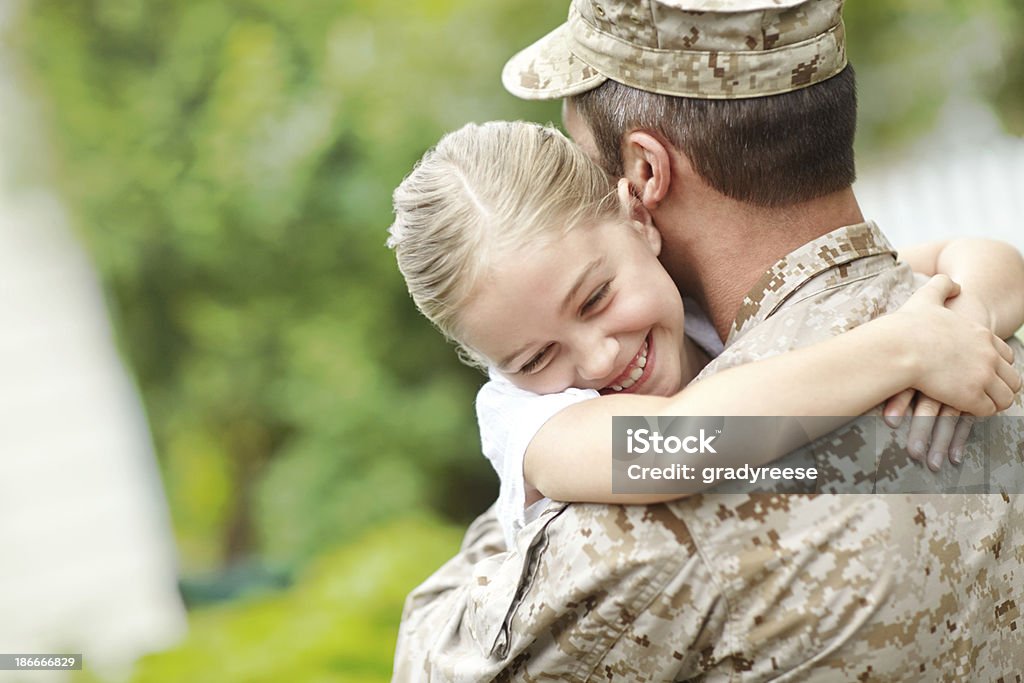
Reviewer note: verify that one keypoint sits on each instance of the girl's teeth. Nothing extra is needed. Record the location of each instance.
(636, 373)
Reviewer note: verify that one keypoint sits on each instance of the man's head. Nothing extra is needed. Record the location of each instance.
(771, 152)
(755, 93)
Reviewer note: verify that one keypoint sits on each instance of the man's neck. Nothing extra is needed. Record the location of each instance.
(718, 248)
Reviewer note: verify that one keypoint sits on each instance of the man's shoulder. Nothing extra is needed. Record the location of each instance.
(832, 264)
(820, 306)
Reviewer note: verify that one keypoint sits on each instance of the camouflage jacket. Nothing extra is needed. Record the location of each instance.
(749, 587)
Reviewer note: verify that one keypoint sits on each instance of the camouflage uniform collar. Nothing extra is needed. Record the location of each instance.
(794, 270)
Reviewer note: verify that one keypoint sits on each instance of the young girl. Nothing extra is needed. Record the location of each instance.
(513, 244)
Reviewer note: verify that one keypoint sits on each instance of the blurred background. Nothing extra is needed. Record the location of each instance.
(229, 439)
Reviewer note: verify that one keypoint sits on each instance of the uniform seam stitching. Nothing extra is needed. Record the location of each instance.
(729, 631)
(628, 627)
(829, 288)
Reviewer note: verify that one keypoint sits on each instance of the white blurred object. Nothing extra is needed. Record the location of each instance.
(87, 560)
(965, 179)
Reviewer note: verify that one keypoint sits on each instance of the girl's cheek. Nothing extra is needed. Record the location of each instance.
(638, 309)
(553, 379)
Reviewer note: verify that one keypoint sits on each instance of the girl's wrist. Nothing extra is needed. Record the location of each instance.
(901, 353)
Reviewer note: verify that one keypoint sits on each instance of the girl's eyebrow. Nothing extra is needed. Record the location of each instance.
(566, 303)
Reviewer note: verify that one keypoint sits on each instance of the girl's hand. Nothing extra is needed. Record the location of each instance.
(988, 382)
(957, 362)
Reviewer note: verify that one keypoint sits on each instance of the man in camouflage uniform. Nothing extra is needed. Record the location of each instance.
(738, 587)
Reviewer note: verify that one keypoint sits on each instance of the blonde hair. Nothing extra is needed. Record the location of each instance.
(485, 189)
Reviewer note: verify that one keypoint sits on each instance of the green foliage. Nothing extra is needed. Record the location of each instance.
(230, 166)
(338, 623)
(912, 56)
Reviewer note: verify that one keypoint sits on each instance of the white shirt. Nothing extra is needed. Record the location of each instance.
(509, 418)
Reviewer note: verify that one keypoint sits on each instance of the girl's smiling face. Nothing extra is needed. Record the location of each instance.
(593, 310)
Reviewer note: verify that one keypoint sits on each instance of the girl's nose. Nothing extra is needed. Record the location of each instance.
(597, 358)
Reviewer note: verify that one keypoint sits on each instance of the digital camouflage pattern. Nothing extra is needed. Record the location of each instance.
(796, 587)
(712, 49)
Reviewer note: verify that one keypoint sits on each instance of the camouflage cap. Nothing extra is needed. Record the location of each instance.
(711, 49)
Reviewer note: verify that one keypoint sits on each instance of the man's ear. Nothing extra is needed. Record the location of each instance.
(638, 215)
(647, 165)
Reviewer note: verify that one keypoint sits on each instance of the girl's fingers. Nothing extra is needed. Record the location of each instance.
(1003, 348)
(1008, 373)
(896, 407)
(1000, 393)
(938, 289)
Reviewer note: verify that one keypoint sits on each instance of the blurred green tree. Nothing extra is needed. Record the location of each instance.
(230, 167)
